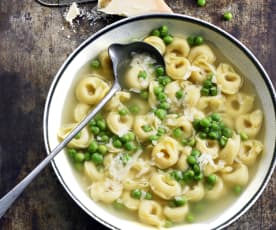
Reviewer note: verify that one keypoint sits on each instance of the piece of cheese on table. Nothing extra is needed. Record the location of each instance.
(133, 7)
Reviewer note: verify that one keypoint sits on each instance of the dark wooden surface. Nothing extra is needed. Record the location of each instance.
(34, 42)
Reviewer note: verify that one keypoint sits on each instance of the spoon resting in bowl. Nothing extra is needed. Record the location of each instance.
(120, 56)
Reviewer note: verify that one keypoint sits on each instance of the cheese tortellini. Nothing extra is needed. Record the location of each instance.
(176, 136)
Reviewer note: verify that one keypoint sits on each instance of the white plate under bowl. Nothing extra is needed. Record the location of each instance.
(138, 27)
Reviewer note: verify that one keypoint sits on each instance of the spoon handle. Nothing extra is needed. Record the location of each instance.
(7, 200)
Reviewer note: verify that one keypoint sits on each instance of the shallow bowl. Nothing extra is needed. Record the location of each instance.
(138, 27)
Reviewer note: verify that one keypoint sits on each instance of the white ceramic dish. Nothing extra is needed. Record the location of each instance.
(123, 31)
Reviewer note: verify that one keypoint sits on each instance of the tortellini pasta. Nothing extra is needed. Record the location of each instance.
(249, 151)
(119, 125)
(164, 187)
(91, 90)
(157, 43)
(165, 153)
(250, 123)
(150, 212)
(176, 214)
(81, 142)
(228, 79)
(172, 138)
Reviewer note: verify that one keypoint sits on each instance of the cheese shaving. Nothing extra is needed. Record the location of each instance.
(72, 13)
(118, 170)
(131, 8)
(205, 159)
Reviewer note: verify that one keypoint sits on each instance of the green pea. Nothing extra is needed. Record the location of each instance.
(102, 149)
(213, 135)
(227, 132)
(164, 105)
(168, 39)
(134, 109)
(227, 16)
(195, 153)
(93, 147)
(204, 91)
(179, 201)
(147, 128)
(97, 158)
(104, 138)
(202, 135)
(211, 179)
(214, 126)
(205, 122)
(157, 90)
(162, 97)
(196, 124)
(94, 129)
(196, 168)
(160, 113)
(213, 91)
(223, 141)
(168, 224)
(201, 2)
(72, 153)
(95, 64)
(155, 32)
(92, 122)
(123, 112)
(148, 196)
(136, 193)
(161, 131)
(125, 138)
(191, 160)
(79, 157)
(179, 94)
(164, 80)
(117, 204)
(130, 146)
(78, 136)
(142, 74)
(98, 117)
(160, 71)
(163, 31)
(207, 84)
(198, 40)
(144, 94)
(237, 189)
(198, 177)
(153, 137)
(78, 166)
(215, 117)
(117, 143)
(101, 124)
(87, 156)
(190, 218)
(191, 40)
(131, 136)
(177, 175)
(243, 136)
(177, 132)
(191, 142)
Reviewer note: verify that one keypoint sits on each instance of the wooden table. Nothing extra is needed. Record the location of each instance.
(34, 42)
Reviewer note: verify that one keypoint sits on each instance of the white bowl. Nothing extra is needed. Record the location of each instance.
(136, 27)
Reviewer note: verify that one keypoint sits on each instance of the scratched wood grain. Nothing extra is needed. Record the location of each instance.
(34, 42)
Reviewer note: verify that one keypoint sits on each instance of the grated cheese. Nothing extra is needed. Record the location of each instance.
(119, 171)
(205, 159)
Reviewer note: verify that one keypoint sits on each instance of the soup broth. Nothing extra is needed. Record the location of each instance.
(177, 145)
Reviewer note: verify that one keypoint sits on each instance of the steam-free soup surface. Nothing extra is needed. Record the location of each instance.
(178, 145)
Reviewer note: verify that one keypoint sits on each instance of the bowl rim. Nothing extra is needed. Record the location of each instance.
(174, 16)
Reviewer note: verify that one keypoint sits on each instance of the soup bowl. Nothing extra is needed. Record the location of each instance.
(123, 31)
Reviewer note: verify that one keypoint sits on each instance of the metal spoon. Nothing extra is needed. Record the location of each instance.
(120, 56)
